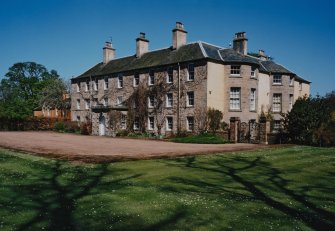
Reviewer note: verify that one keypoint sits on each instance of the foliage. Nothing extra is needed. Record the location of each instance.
(214, 119)
(310, 120)
(59, 126)
(205, 138)
(54, 95)
(22, 89)
(86, 127)
(269, 189)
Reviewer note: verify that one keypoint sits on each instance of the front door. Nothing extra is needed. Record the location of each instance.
(102, 126)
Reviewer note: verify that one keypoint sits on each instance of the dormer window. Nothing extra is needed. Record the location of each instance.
(136, 79)
(235, 70)
(106, 83)
(120, 81)
(169, 77)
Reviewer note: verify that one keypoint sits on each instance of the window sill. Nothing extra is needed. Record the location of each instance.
(190, 106)
(253, 77)
(235, 110)
(252, 111)
(277, 84)
(190, 80)
(235, 76)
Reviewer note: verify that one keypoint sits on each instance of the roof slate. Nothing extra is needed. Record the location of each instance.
(186, 53)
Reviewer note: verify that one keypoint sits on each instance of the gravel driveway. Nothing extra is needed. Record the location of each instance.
(99, 149)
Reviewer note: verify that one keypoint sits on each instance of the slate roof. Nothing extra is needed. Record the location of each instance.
(186, 53)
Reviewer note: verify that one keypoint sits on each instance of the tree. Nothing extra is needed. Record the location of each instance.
(308, 116)
(54, 95)
(22, 87)
(214, 119)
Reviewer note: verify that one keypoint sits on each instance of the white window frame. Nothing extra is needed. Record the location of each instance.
(252, 99)
(78, 104)
(96, 84)
(190, 123)
(169, 100)
(136, 125)
(235, 98)
(119, 100)
(123, 121)
(78, 87)
(253, 72)
(169, 123)
(87, 104)
(190, 99)
(106, 83)
(151, 102)
(235, 70)
(136, 81)
(120, 81)
(277, 102)
(190, 72)
(87, 86)
(105, 101)
(290, 101)
(291, 81)
(151, 79)
(151, 123)
(277, 79)
(277, 125)
(169, 75)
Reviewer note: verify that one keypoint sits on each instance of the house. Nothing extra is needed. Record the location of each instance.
(169, 90)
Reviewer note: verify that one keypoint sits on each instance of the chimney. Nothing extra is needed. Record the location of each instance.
(108, 52)
(179, 36)
(240, 43)
(262, 56)
(142, 45)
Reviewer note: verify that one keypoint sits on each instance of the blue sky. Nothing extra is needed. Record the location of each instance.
(68, 35)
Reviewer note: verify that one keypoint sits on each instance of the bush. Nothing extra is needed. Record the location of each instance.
(59, 126)
(201, 139)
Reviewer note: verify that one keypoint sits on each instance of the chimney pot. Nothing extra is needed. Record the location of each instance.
(142, 45)
(179, 36)
(108, 52)
(240, 43)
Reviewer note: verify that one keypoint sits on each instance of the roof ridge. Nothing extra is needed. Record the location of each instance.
(202, 49)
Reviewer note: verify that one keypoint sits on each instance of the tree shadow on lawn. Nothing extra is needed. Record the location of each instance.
(52, 198)
(241, 171)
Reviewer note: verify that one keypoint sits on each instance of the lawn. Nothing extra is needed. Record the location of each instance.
(291, 188)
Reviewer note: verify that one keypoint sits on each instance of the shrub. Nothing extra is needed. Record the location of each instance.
(59, 126)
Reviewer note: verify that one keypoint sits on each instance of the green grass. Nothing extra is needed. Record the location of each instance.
(200, 139)
(290, 188)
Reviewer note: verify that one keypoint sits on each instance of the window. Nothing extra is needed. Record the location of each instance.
(87, 104)
(190, 123)
(106, 84)
(87, 86)
(151, 123)
(291, 81)
(169, 123)
(105, 101)
(252, 99)
(169, 78)
(119, 100)
(136, 79)
(151, 77)
(300, 86)
(169, 100)
(235, 70)
(123, 121)
(253, 72)
(276, 125)
(96, 84)
(276, 102)
(235, 99)
(120, 81)
(95, 102)
(190, 72)
(78, 87)
(136, 123)
(78, 104)
(151, 101)
(78, 118)
(277, 79)
(290, 102)
(190, 99)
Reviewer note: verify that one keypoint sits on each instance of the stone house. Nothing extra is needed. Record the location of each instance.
(181, 82)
